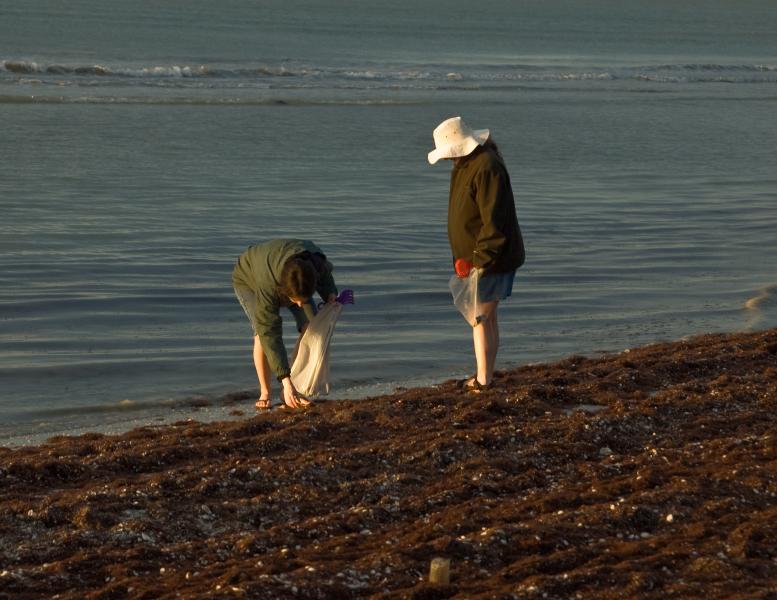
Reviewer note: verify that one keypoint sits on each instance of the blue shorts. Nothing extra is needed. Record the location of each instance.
(495, 286)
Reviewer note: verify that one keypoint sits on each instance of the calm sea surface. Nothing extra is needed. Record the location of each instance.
(144, 146)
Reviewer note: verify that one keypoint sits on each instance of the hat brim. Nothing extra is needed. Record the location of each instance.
(463, 148)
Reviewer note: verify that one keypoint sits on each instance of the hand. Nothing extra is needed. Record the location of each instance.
(463, 267)
(291, 397)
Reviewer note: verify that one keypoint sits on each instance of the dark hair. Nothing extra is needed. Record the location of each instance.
(298, 278)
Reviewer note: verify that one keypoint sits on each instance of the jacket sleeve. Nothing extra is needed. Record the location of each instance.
(269, 327)
(491, 194)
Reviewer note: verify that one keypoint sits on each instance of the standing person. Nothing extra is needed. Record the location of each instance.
(283, 272)
(483, 229)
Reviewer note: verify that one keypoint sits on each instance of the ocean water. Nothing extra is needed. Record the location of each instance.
(145, 146)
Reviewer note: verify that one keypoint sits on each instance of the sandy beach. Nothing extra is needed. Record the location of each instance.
(651, 473)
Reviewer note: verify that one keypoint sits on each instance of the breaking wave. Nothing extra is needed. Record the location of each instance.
(173, 71)
(441, 74)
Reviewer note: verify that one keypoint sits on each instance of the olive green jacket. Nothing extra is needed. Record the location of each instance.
(482, 222)
(259, 270)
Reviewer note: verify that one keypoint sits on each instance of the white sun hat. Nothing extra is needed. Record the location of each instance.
(454, 138)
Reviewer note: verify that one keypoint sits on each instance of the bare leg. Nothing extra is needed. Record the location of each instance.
(493, 332)
(485, 336)
(262, 370)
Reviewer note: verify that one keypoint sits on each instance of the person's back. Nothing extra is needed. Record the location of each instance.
(260, 266)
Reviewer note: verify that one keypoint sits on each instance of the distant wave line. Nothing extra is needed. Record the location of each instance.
(206, 72)
(31, 67)
(711, 67)
(145, 100)
(667, 73)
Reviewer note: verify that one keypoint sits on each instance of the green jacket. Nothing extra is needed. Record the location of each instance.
(259, 269)
(482, 223)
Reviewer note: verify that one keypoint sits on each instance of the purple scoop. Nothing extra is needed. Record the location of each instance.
(345, 297)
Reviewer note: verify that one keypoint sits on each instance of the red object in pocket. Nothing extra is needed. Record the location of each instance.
(463, 267)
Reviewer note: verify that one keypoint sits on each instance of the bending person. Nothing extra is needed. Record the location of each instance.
(267, 276)
(483, 229)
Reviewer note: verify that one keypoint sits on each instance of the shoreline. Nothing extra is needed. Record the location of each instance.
(649, 473)
(124, 416)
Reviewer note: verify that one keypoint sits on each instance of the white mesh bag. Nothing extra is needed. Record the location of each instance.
(310, 371)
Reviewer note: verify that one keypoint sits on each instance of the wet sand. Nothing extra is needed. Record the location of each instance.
(647, 474)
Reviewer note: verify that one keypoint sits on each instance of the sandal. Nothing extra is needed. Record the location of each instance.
(263, 404)
(466, 383)
(478, 387)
